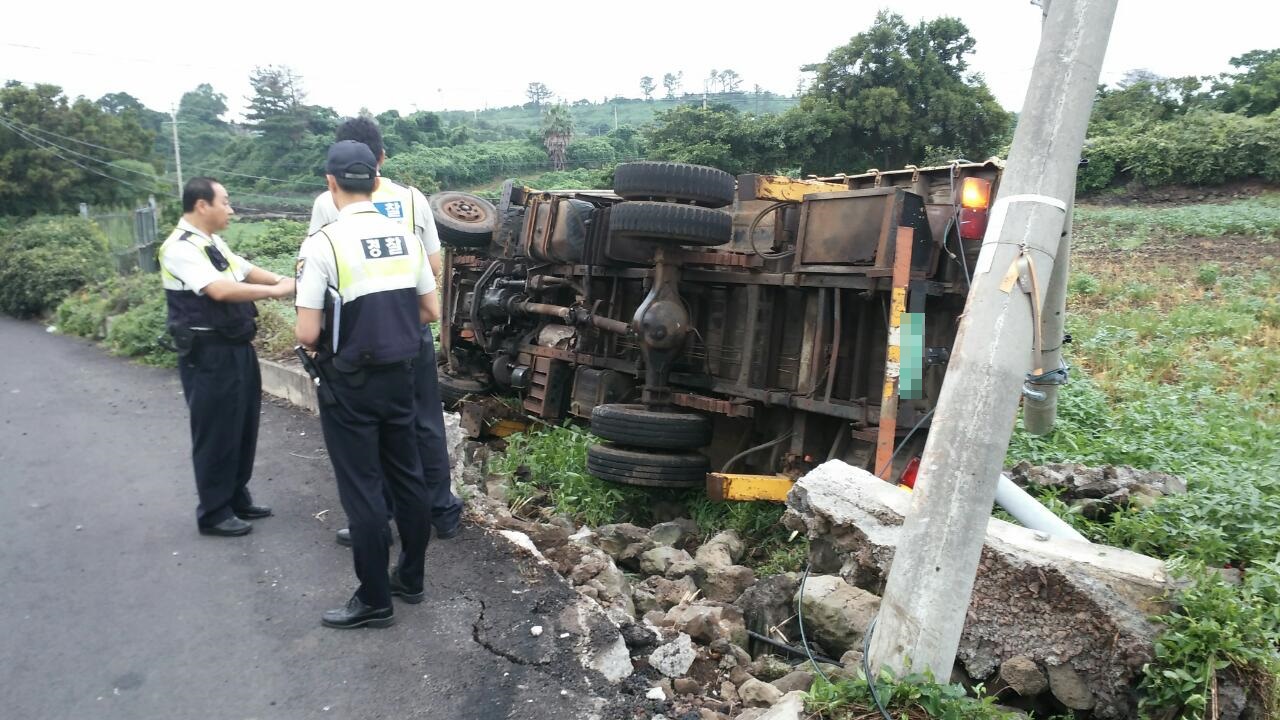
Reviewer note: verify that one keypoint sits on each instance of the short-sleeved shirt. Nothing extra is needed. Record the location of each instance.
(397, 202)
(318, 270)
(185, 264)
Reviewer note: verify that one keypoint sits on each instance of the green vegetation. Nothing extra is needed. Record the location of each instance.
(44, 259)
(547, 471)
(1175, 361)
(1127, 228)
(1217, 628)
(913, 697)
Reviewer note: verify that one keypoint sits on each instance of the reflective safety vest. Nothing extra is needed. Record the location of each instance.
(190, 311)
(378, 264)
(395, 202)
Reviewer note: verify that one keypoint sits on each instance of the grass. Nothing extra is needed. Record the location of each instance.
(547, 467)
(1127, 228)
(914, 697)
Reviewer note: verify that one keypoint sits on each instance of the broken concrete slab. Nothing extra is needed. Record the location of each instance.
(836, 612)
(1077, 604)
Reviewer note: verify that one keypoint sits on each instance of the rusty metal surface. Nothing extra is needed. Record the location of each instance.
(781, 188)
(848, 228)
(731, 408)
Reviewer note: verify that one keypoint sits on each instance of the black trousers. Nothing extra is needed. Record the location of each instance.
(223, 389)
(446, 508)
(370, 433)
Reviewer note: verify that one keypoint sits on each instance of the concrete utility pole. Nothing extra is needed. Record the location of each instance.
(929, 587)
(177, 149)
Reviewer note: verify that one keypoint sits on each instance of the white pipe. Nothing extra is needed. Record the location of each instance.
(1028, 511)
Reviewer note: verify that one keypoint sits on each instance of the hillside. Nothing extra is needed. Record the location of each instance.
(592, 118)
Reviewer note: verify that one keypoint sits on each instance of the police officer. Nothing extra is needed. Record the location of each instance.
(408, 206)
(365, 290)
(210, 292)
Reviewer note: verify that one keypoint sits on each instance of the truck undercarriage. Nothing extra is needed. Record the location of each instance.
(703, 322)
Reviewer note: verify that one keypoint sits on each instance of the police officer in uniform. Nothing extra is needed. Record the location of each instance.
(408, 206)
(365, 290)
(210, 292)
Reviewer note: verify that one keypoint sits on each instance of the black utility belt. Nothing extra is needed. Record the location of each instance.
(212, 337)
(344, 366)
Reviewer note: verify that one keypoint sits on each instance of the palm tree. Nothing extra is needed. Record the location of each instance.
(557, 133)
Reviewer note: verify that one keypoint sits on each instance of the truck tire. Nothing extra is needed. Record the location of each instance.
(638, 426)
(647, 469)
(462, 219)
(454, 389)
(680, 182)
(677, 224)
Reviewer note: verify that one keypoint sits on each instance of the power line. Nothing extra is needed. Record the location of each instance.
(36, 129)
(29, 139)
(41, 142)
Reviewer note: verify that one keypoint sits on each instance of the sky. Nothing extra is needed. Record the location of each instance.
(438, 56)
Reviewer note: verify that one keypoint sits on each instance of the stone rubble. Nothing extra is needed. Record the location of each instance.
(678, 606)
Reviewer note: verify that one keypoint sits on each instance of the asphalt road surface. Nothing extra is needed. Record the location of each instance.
(114, 607)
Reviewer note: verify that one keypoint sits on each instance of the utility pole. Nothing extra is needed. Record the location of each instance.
(615, 117)
(177, 148)
(930, 584)
(1040, 404)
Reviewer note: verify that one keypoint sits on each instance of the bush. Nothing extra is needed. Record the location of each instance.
(1199, 148)
(268, 239)
(431, 168)
(85, 313)
(140, 331)
(45, 259)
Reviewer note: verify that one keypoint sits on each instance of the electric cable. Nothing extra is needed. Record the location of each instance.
(866, 638)
(729, 463)
(751, 234)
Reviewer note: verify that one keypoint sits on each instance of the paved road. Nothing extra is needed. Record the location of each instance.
(114, 607)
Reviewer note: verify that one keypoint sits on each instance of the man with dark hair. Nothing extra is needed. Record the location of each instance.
(210, 293)
(365, 288)
(408, 206)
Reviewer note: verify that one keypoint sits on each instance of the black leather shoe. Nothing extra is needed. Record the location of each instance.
(252, 512)
(402, 591)
(449, 533)
(231, 527)
(344, 538)
(357, 614)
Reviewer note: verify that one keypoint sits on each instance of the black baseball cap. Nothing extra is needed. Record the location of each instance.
(351, 160)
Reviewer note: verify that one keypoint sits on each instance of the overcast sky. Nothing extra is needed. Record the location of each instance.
(434, 56)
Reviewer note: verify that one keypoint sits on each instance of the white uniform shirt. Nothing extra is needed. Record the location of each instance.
(186, 265)
(317, 269)
(323, 212)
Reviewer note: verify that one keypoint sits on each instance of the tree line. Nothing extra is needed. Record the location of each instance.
(896, 93)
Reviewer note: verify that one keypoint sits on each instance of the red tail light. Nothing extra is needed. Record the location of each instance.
(975, 198)
(909, 473)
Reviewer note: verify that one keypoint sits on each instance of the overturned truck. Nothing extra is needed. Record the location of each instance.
(701, 322)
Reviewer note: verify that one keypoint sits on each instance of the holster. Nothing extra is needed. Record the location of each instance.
(184, 340)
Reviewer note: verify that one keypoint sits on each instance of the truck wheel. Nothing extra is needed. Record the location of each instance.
(454, 389)
(645, 468)
(677, 224)
(462, 219)
(680, 182)
(638, 426)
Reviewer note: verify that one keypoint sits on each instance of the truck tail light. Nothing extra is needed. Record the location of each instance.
(975, 194)
(909, 473)
(975, 198)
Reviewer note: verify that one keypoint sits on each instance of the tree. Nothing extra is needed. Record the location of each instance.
(719, 136)
(1142, 98)
(276, 108)
(671, 81)
(889, 94)
(537, 92)
(646, 87)
(48, 159)
(557, 133)
(712, 80)
(203, 105)
(1256, 90)
(730, 81)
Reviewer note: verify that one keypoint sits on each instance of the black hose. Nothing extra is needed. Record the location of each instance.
(729, 463)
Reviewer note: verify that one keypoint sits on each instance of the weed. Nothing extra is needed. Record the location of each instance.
(1207, 274)
(915, 696)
